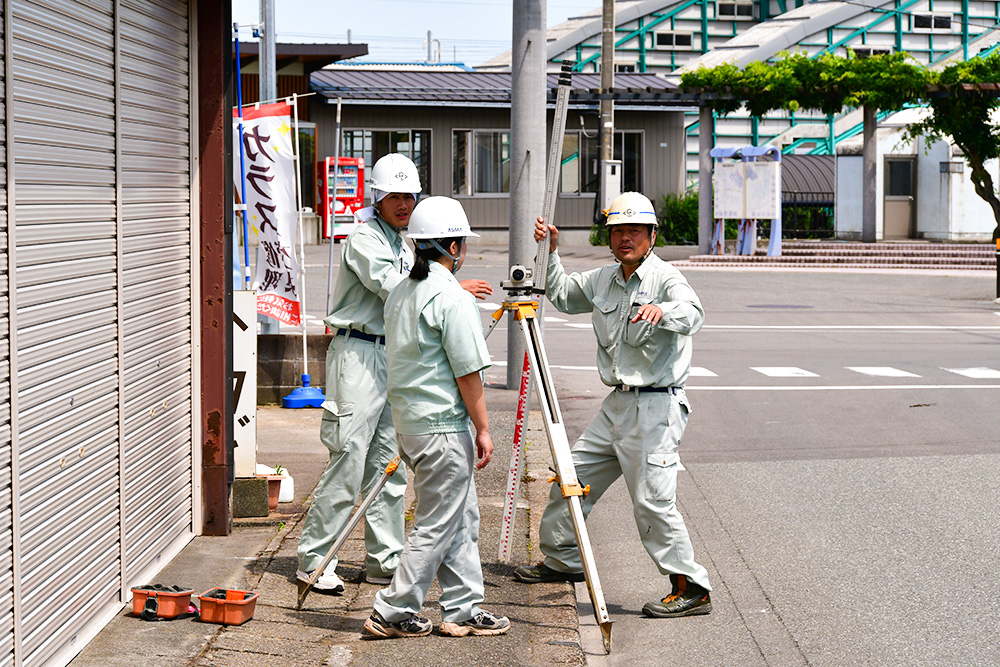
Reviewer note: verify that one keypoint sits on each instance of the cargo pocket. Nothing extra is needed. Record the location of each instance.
(336, 426)
(661, 476)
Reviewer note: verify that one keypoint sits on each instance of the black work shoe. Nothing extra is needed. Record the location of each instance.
(482, 624)
(414, 626)
(687, 599)
(536, 574)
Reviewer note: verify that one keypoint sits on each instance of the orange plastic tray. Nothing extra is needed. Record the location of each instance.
(170, 605)
(235, 609)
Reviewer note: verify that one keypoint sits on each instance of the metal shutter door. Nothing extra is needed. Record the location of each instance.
(65, 217)
(6, 463)
(156, 212)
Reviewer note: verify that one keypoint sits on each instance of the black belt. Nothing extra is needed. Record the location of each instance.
(643, 390)
(360, 335)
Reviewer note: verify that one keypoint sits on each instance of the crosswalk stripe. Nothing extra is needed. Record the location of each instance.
(784, 372)
(699, 372)
(975, 373)
(882, 371)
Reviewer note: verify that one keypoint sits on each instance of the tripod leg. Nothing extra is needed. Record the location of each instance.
(565, 471)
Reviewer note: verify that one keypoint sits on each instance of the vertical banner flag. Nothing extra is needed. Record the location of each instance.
(271, 205)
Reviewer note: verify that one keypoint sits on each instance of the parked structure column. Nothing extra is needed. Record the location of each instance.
(706, 130)
(868, 170)
(215, 261)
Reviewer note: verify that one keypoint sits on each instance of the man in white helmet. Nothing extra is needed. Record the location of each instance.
(357, 423)
(644, 314)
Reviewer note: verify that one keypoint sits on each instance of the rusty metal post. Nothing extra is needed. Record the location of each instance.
(215, 261)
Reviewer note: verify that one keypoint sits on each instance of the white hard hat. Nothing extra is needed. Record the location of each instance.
(631, 208)
(438, 218)
(395, 173)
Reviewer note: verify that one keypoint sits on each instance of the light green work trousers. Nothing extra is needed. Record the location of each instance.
(635, 435)
(357, 429)
(444, 540)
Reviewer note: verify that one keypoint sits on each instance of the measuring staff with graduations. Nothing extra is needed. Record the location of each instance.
(524, 289)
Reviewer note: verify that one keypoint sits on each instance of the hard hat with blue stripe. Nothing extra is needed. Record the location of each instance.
(631, 208)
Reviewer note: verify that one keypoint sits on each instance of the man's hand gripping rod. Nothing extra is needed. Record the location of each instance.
(522, 301)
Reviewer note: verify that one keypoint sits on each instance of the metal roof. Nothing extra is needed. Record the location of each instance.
(805, 175)
(311, 56)
(482, 88)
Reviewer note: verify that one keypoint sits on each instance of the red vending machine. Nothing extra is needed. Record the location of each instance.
(340, 194)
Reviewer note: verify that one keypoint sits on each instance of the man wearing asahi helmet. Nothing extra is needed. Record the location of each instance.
(644, 314)
(436, 353)
(357, 423)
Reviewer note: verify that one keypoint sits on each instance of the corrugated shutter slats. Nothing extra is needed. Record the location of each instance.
(156, 285)
(103, 273)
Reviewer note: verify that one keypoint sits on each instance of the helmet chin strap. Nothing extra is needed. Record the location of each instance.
(454, 258)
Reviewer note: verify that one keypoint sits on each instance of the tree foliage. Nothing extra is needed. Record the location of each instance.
(967, 117)
(830, 83)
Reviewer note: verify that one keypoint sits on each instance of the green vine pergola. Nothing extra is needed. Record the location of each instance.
(962, 97)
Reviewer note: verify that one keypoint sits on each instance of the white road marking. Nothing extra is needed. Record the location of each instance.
(562, 368)
(580, 325)
(488, 305)
(549, 318)
(845, 327)
(699, 372)
(784, 372)
(844, 387)
(975, 373)
(882, 371)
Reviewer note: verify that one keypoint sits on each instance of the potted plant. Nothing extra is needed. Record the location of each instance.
(274, 487)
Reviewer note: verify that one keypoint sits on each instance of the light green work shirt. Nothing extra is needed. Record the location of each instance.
(639, 354)
(433, 335)
(374, 260)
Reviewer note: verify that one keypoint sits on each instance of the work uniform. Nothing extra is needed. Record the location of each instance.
(357, 423)
(637, 432)
(434, 335)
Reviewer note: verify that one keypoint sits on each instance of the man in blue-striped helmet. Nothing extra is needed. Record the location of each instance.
(644, 314)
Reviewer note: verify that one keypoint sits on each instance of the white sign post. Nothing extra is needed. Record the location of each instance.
(245, 382)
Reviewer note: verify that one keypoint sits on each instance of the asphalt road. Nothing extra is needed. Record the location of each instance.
(841, 475)
(842, 469)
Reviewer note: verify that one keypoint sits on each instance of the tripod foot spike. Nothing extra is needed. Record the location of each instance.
(606, 632)
(304, 587)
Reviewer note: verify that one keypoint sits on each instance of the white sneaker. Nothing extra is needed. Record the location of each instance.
(378, 581)
(328, 581)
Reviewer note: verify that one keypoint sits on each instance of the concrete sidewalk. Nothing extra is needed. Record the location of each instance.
(260, 555)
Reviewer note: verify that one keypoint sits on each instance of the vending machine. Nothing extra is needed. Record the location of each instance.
(340, 194)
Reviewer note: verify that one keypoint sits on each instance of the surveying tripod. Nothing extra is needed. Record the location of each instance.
(524, 291)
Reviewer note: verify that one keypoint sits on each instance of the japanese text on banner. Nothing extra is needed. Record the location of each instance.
(269, 169)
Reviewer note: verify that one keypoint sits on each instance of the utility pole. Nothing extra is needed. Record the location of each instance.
(611, 183)
(527, 150)
(268, 78)
(268, 91)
